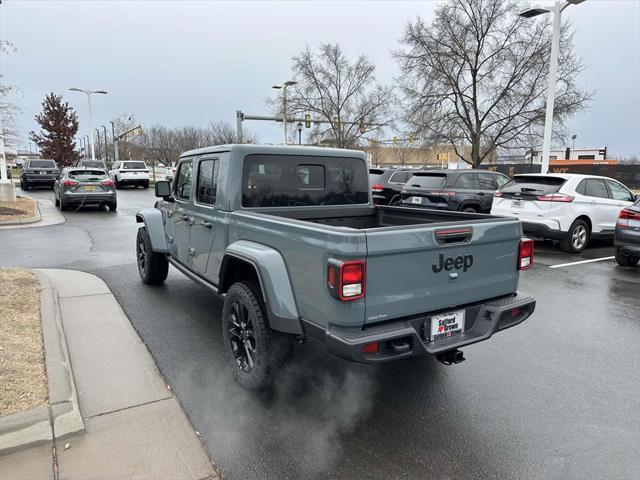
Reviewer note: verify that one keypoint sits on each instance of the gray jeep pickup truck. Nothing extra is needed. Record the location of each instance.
(290, 237)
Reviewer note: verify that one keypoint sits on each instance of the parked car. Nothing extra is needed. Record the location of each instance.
(130, 172)
(386, 184)
(627, 235)
(461, 190)
(569, 208)
(77, 187)
(290, 237)
(40, 173)
(85, 162)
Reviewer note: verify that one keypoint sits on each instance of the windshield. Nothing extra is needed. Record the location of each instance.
(134, 166)
(296, 180)
(42, 164)
(427, 180)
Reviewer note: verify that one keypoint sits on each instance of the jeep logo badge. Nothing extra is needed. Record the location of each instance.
(449, 263)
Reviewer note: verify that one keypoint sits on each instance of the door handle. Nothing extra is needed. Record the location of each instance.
(206, 224)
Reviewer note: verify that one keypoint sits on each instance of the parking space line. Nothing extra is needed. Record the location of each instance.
(581, 262)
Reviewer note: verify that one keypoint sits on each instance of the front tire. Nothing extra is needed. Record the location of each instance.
(255, 351)
(626, 260)
(577, 237)
(153, 267)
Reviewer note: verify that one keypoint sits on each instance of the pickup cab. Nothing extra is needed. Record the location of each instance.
(289, 236)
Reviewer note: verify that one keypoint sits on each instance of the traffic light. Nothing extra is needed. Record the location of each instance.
(307, 120)
(395, 140)
(362, 129)
(411, 138)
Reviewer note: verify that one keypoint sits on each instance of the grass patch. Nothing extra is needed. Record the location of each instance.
(22, 370)
(23, 209)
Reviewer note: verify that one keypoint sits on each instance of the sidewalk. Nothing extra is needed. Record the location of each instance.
(49, 215)
(134, 426)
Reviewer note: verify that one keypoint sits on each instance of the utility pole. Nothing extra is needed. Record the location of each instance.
(99, 143)
(89, 93)
(284, 104)
(106, 149)
(115, 142)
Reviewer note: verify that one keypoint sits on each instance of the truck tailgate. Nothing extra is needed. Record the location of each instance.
(425, 268)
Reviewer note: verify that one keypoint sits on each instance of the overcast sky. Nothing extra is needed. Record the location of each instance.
(189, 62)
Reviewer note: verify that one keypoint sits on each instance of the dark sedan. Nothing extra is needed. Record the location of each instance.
(386, 184)
(78, 187)
(38, 173)
(461, 190)
(627, 235)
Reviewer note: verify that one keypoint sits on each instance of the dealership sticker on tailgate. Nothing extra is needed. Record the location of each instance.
(447, 325)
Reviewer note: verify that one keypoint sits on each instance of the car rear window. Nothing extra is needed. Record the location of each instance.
(427, 180)
(375, 175)
(92, 163)
(534, 183)
(296, 180)
(400, 177)
(86, 174)
(134, 166)
(42, 164)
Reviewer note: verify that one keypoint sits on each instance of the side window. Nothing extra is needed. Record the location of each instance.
(207, 181)
(467, 180)
(594, 187)
(618, 192)
(183, 181)
(581, 188)
(487, 181)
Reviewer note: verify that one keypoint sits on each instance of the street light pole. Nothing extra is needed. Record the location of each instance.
(115, 142)
(89, 93)
(284, 104)
(106, 149)
(552, 77)
(99, 143)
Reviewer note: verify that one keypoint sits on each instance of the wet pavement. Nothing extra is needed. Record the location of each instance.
(556, 397)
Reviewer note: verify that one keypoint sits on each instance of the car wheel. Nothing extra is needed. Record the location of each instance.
(153, 267)
(112, 206)
(117, 183)
(470, 210)
(145, 185)
(24, 186)
(577, 237)
(57, 201)
(254, 349)
(626, 260)
(62, 204)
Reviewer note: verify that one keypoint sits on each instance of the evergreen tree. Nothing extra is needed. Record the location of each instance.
(59, 124)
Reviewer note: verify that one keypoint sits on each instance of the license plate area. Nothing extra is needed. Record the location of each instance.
(517, 203)
(447, 325)
(416, 200)
(88, 188)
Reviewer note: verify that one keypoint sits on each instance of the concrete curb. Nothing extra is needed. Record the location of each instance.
(36, 217)
(61, 418)
(49, 215)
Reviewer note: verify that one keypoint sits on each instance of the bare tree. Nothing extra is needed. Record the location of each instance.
(8, 110)
(477, 75)
(330, 87)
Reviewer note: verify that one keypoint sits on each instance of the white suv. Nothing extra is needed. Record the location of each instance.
(130, 172)
(567, 207)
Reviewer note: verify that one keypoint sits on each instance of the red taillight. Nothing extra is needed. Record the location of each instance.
(498, 194)
(626, 215)
(346, 280)
(525, 254)
(107, 183)
(377, 187)
(555, 197)
(370, 347)
(69, 183)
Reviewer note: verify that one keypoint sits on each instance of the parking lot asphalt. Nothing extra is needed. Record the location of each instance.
(556, 397)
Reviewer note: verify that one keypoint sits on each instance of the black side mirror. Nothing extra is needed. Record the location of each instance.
(163, 189)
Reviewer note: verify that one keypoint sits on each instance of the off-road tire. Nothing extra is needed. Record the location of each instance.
(626, 260)
(153, 267)
(470, 210)
(271, 348)
(577, 237)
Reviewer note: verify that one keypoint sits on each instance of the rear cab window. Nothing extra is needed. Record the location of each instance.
(295, 180)
(427, 180)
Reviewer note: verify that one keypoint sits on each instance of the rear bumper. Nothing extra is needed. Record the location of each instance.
(39, 179)
(482, 320)
(549, 229)
(88, 198)
(627, 240)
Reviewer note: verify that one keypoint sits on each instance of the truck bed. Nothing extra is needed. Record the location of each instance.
(366, 218)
